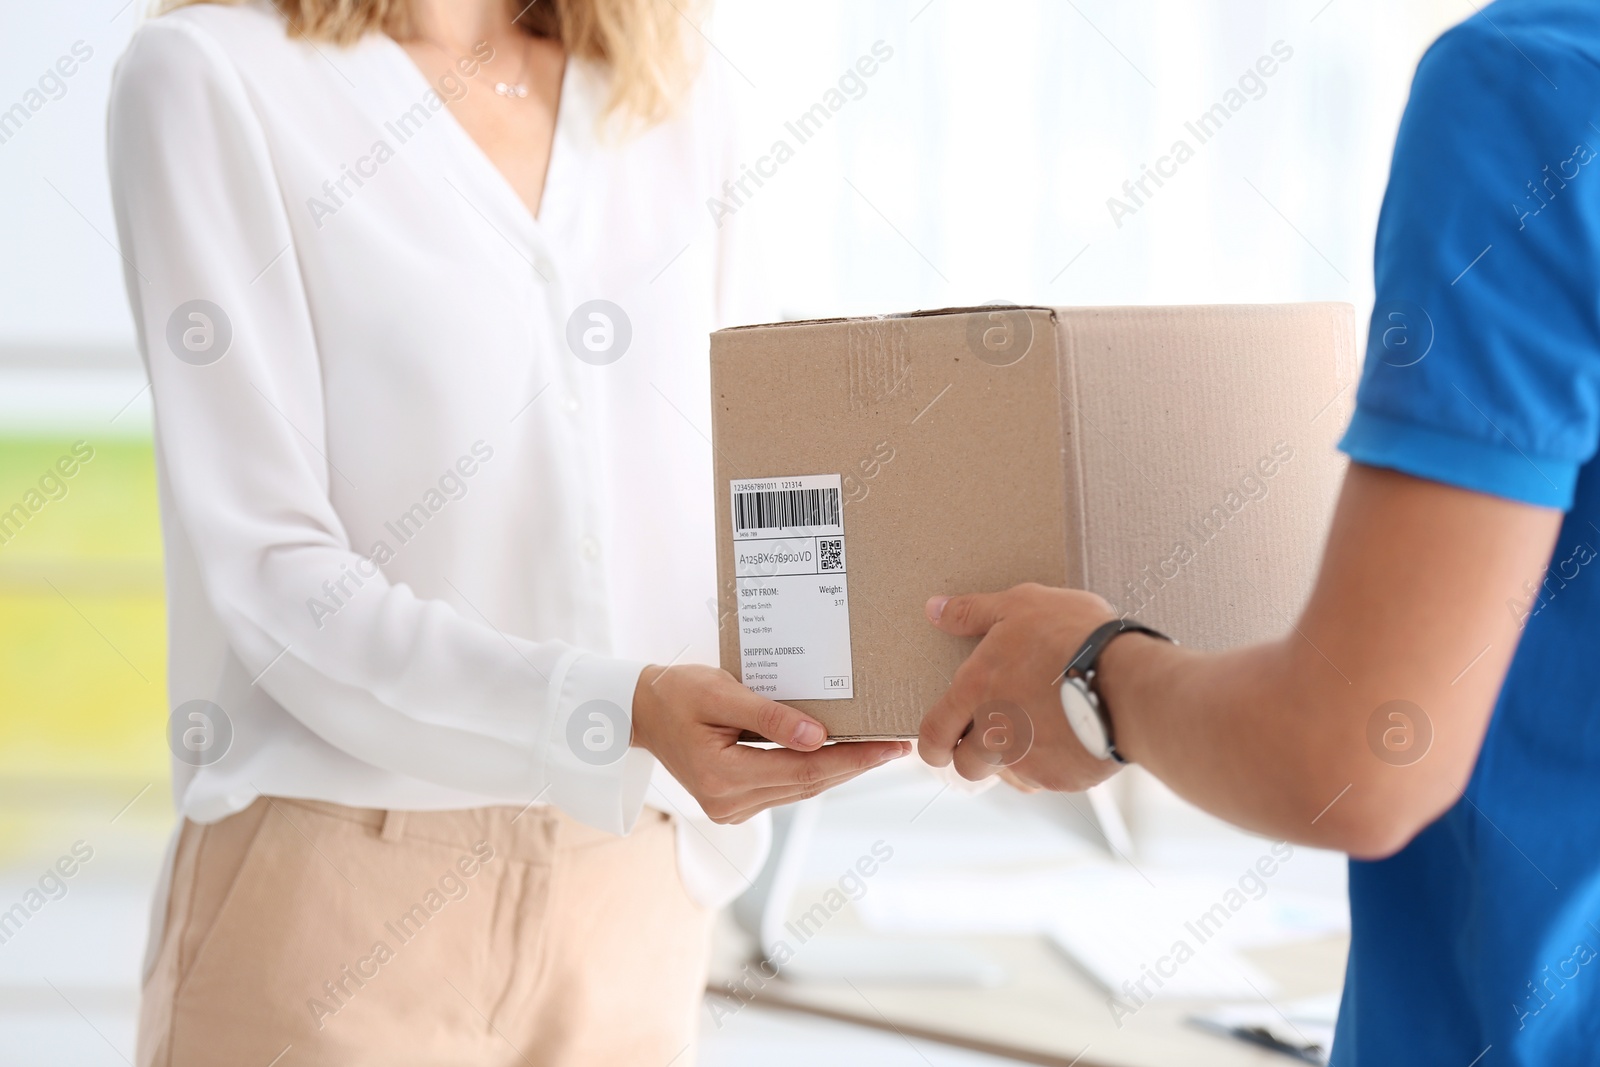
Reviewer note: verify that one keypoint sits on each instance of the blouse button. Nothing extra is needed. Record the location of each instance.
(590, 548)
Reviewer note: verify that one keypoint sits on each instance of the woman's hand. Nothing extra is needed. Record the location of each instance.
(690, 718)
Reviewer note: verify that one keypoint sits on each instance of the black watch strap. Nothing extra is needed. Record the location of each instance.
(1085, 663)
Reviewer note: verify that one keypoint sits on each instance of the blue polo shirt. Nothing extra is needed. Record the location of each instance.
(1479, 943)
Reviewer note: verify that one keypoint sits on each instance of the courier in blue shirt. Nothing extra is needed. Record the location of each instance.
(1485, 930)
(1460, 589)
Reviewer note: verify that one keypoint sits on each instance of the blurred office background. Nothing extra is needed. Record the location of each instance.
(975, 163)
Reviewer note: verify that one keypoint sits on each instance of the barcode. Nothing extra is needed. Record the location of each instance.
(785, 508)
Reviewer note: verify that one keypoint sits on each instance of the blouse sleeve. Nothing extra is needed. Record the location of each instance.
(408, 684)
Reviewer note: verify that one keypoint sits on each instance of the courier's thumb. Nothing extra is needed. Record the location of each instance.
(964, 616)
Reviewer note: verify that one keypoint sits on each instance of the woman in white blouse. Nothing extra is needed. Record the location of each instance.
(423, 289)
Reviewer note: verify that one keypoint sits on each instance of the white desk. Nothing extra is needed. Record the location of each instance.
(1045, 1012)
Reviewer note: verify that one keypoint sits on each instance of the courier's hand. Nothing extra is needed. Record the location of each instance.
(690, 718)
(1002, 711)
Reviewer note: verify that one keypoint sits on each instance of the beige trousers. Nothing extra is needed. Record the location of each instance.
(302, 933)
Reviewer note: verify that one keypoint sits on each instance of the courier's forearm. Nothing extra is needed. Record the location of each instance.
(1274, 738)
(1234, 734)
(1362, 724)
(1354, 731)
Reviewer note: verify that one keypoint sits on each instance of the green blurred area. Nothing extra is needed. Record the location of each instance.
(82, 634)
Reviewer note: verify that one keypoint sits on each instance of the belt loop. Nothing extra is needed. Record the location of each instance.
(394, 825)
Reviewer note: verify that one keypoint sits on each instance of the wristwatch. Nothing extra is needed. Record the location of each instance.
(1086, 713)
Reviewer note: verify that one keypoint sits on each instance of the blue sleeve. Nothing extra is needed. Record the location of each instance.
(1483, 362)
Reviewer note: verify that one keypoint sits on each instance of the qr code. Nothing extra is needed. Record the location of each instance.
(832, 552)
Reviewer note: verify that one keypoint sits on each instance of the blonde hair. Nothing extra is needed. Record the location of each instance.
(641, 42)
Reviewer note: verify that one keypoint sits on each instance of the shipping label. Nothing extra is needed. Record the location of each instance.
(789, 572)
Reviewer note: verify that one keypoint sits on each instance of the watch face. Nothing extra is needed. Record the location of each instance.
(1084, 718)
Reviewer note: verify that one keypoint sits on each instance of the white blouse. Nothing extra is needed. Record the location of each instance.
(421, 506)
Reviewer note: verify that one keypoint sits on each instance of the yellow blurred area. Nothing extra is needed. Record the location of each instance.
(82, 633)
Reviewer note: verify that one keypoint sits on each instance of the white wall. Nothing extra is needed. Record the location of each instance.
(993, 138)
(60, 275)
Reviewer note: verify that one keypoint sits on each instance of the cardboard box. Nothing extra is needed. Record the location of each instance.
(1179, 461)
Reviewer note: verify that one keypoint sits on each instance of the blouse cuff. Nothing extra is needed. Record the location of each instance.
(594, 774)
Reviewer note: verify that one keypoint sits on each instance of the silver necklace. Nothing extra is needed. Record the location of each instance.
(514, 89)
